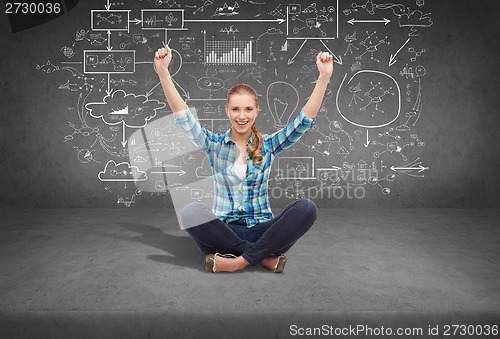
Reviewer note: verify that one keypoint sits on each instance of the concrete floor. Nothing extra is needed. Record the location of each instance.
(133, 273)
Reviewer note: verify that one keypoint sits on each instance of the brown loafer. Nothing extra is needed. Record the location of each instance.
(211, 260)
(280, 265)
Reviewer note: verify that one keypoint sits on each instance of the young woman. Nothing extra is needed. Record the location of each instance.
(241, 223)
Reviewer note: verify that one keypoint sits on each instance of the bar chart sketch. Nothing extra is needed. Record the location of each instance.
(220, 52)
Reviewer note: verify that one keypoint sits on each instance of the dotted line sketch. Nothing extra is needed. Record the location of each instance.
(277, 12)
(415, 112)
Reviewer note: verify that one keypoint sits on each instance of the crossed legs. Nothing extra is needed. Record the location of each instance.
(256, 245)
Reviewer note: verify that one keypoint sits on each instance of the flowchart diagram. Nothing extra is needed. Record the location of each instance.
(367, 133)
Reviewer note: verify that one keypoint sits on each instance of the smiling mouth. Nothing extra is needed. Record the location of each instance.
(241, 123)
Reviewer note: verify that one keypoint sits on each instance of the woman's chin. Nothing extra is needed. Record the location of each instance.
(241, 129)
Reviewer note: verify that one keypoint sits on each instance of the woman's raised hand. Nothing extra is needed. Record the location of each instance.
(324, 61)
(162, 58)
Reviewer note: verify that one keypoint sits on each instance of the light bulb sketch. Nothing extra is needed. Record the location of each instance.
(282, 100)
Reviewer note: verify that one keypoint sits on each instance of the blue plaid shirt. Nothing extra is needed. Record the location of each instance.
(247, 199)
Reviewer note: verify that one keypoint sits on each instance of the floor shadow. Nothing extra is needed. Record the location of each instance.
(180, 249)
(183, 250)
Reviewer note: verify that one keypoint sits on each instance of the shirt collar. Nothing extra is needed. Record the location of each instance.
(227, 137)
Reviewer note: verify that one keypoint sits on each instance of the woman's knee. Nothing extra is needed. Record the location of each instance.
(196, 213)
(308, 208)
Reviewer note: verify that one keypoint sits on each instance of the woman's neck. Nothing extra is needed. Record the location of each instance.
(240, 139)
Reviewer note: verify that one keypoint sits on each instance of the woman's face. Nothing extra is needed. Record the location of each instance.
(242, 111)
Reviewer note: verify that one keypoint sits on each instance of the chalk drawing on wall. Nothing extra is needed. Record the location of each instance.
(108, 69)
(282, 101)
(110, 20)
(371, 43)
(381, 93)
(312, 21)
(296, 168)
(230, 52)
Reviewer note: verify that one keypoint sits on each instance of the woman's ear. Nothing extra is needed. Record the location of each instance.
(227, 111)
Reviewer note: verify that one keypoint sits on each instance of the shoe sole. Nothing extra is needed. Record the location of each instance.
(210, 260)
(280, 265)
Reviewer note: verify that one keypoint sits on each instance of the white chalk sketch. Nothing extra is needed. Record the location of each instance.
(210, 82)
(295, 168)
(414, 112)
(122, 171)
(171, 19)
(110, 20)
(229, 30)
(277, 12)
(85, 155)
(374, 180)
(139, 39)
(375, 99)
(312, 21)
(128, 201)
(282, 101)
(381, 93)
(230, 52)
(127, 108)
(406, 17)
(416, 53)
(371, 7)
(371, 43)
(109, 62)
(411, 169)
(350, 39)
(120, 119)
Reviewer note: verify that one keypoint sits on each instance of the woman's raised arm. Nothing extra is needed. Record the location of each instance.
(161, 61)
(324, 62)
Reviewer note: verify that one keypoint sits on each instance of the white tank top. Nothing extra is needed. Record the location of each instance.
(240, 170)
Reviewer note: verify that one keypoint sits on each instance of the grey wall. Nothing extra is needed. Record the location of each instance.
(457, 124)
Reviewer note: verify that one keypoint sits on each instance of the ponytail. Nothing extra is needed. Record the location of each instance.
(255, 149)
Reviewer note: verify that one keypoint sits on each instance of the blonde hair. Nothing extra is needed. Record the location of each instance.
(255, 149)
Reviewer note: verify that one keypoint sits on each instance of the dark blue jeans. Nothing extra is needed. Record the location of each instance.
(275, 236)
